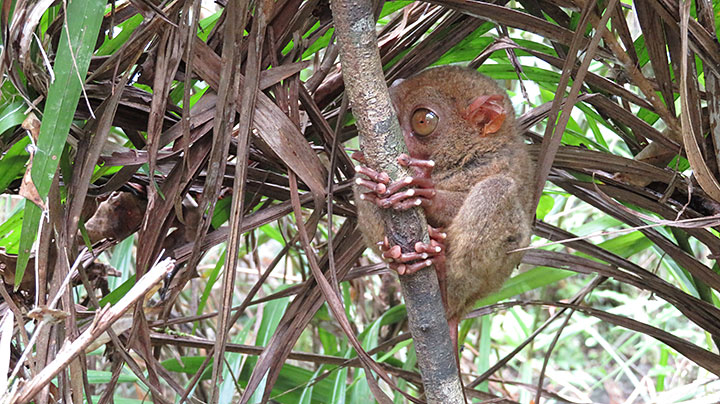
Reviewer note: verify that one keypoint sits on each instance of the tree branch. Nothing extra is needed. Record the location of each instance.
(382, 141)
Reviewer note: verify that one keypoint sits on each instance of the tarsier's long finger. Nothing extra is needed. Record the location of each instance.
(424, 167)
(375, 176)
(412, 268)
(428, 248)
(436, 233)
(405, 258)
(396, 255)
(371, 197)
(376, 187)
(389, 252)
(407, 161)
(414, 193)
(411, 203)
(419, 182)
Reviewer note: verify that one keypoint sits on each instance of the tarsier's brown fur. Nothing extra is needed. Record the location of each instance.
(483, 183)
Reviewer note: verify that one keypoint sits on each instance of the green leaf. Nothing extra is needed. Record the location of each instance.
(122, 260)
(544, 206)
(101, 376)
(235, 364)
(271, 315)
(272, 232)
(526, 281)
(128, 27)
(71, 65)
(221, 214)
(10, 230)
(31, 220)
(11, 116)
(188, 365)
(212, 278)
(117, 294)
(13, 163)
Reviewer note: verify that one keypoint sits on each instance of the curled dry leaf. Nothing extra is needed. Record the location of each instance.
(117, 217)
(27, 188)
(8, 262)
(47, 314)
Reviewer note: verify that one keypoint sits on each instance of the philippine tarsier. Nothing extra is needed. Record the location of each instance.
(472, 176)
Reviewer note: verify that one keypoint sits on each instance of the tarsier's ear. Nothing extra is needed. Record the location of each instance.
(487, 112)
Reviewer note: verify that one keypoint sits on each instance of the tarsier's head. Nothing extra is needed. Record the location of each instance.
(451, 107)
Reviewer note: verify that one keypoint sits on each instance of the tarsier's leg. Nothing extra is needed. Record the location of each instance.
(453, 324)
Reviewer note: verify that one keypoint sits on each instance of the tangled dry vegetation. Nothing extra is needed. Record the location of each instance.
(194, 145)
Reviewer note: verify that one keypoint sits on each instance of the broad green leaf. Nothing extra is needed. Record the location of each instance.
(339, 380)
(272, 232)
(10, 230)
(528, 280)
(235, 363)
(11, 116)
(483, 358)
(31, 220)
(221, 214)
(122, 259)
(188, 365)
(307, 393)
(544, 206)
(127, 28)
(71, 63)
(271, 315)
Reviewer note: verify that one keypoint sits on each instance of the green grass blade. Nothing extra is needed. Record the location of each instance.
(72, 61)
(83, 25)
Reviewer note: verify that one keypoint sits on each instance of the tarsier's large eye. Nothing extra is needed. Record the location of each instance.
(423, 121)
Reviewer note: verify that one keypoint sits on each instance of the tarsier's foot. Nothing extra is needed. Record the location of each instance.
(419, 189)
(425, 254)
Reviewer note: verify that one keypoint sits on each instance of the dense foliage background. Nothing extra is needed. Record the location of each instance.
(136, 131)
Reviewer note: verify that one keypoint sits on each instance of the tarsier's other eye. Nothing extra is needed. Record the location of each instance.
(423, 121)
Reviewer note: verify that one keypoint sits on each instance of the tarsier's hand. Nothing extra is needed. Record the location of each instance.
(408, 192)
